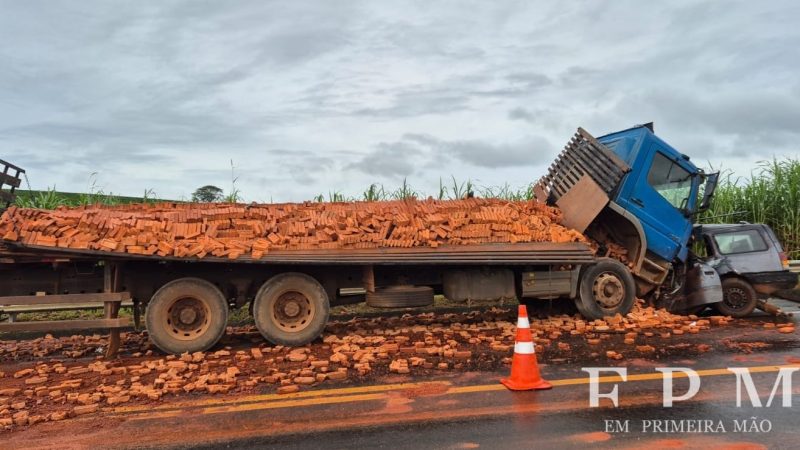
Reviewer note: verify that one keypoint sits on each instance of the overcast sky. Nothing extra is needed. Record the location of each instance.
(307, 97)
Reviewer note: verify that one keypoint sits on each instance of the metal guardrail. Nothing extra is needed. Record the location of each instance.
(794, 265)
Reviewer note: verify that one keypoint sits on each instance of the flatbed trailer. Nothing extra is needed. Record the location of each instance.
(312, 281)
(628, 190)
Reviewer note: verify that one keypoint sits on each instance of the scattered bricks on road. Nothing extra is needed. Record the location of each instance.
(337, 376)
(35, 380)
(786, 330)
(20, 418)
(85, 409)
(304, 380)
(58, 415)
(465, 354)
(351, 349)
(297, 357)
(23, 373)
(288, 389)
(118, 399)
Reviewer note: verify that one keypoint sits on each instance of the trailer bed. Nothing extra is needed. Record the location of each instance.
(492, 254)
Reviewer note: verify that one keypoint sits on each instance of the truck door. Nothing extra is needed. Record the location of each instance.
(661, 194)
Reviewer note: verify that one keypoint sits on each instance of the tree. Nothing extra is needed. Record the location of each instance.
(207, 194)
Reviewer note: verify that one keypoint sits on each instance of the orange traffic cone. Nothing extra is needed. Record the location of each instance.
(524, 368)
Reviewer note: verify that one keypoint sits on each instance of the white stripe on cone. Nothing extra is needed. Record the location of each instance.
(524, 348)
(522, 322)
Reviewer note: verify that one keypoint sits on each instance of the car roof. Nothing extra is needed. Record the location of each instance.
(721, 227)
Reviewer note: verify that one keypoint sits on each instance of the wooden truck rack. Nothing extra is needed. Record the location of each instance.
(110, 298)
(9, 182)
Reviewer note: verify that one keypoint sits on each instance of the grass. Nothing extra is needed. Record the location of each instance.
(81, 314)
(771, 195)
(51, 198)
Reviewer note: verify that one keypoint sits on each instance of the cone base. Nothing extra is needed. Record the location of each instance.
(518, 386)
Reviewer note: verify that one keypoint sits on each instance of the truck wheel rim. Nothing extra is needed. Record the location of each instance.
(187, 318)
(736, 298)
(608, 290)
(293, 311)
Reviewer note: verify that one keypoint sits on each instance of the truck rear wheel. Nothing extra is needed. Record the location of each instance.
(291, 309)
(186, 315)
(739, 299)
(606, 288)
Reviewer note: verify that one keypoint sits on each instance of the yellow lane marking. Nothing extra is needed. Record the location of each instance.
(618, 379)
(269, 397)
(268, 405)
(344, 395)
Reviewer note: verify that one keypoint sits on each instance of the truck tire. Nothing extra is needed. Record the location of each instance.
(400, 297)
(291, 309)
(606, 288)
(186, 315)
(738, 298)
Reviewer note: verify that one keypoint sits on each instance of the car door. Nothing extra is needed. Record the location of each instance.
(747, 251)
(661, 190)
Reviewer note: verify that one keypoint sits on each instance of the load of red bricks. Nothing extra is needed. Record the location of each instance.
(197, 230)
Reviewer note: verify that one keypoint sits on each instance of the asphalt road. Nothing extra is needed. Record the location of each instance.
(473, 410)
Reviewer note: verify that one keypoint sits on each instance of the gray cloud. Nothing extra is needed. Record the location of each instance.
(405, 156)
(310, 97)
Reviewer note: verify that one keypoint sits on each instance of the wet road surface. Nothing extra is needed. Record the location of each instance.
(466, 410)
(471, 409)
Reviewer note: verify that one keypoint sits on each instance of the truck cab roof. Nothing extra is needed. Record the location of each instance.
(629, 142)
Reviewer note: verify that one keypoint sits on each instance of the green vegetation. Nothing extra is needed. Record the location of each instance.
(771, 195)
(207, 194)
(51, 198)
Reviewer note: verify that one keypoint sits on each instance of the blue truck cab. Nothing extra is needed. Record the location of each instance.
(661, 189)
(636, 196)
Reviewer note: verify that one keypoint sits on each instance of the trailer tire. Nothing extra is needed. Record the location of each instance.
(186, 315)
(739, 298)
(291, 309)
(606, 288)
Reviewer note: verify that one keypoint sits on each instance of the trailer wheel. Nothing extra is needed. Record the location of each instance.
(606, 288)
(186, 315)
(739, 299)
(291, 309)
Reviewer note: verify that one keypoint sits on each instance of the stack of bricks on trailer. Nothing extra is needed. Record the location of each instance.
(196, 230)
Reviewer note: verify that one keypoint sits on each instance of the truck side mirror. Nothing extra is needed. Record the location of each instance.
(685, 207)
(708, 192)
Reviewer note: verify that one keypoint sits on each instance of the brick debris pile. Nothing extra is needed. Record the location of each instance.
(40, 389)
(236, 230)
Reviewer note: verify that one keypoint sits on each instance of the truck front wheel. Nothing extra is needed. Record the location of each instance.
(186, 315)
(606, 288)
(738, 298)
(291, 309)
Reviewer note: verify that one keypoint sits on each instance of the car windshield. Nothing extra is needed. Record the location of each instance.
(744, 241)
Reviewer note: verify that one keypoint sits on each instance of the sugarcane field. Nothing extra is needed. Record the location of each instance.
(380, 225)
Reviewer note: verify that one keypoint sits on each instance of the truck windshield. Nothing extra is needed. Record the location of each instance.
(670, 180)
